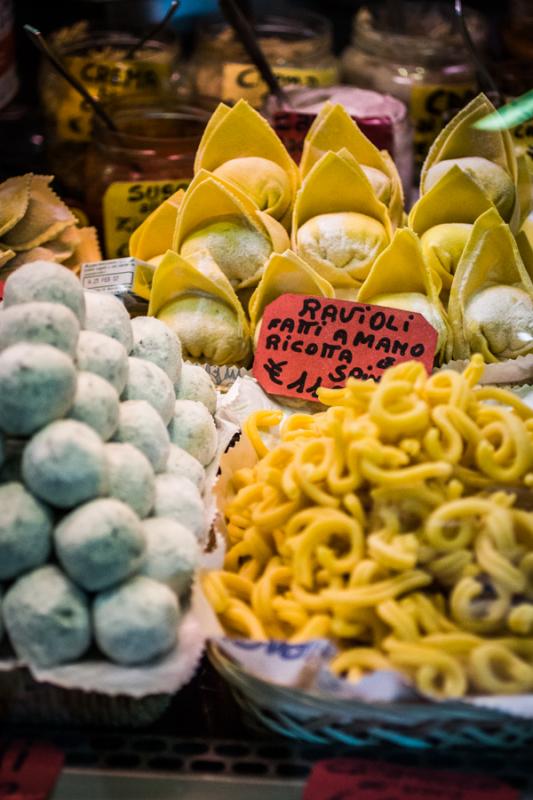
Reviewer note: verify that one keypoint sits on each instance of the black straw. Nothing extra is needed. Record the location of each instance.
(152, 33)
(484, 77)
(247, 36)
(41, 43)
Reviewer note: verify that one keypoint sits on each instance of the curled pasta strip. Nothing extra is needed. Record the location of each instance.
(520, 619)
(406, 476)
(450, 568)
(316, 544)
(239, 617)
(447, 388)
(397, 410)
(505, 398)
(474, 370)
(397, 552)
(317, 627)
(401, 621)
(372, 594)
(365, 572)
(496, 669)
(515, 449)
(359, 660)
(257, 421)
(476, 613)
(526, 568)
(275, 576)
(454, 525)
(430, 619)
(290, 612)
(456, 643)
(443, 442)
(436, 673)
(498, 566)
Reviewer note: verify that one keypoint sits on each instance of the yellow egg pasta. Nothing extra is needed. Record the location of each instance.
(390, 524)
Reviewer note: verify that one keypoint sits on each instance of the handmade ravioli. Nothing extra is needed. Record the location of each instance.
(339, 225)
(334, 129)
(220, 224)
(491, 300)
(202, 309)
(487, 157)
(239, 146)
(400, 278)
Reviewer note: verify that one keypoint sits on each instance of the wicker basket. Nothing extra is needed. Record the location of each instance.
(317, 720)
(24, 700)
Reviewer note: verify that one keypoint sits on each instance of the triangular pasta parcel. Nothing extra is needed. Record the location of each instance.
(14, 199)
(400, 278)
(239, 146)
(333, 129)
(45, 218)
(199, 304)
(491, 300)
(339, 226)
(488, 157)
(218, 220)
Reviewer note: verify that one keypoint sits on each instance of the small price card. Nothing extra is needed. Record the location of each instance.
(307, 342)
(359, 779)
(28, 771)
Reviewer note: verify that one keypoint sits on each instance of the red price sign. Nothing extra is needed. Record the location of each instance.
(307, 342)
(2, 284)
(28, 771)
(358, 779)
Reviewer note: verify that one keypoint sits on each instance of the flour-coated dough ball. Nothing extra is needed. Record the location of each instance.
(48, 282)
(47, 618)
(96, 403)
(154, 341)
(192, 428)
(147, 381)
(42, 323)
(104, 356)
(106, 314)
(131, 477)
(136, 622)
(180, 462)
(139, 424)
(172, 553)
(37, 385)
(100, 543)
(178, 498)
(64, 464)
(196, 384)
(25, 531)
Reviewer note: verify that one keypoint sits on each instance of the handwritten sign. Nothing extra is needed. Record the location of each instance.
(306, 342)
(29, 771)
(361, 779)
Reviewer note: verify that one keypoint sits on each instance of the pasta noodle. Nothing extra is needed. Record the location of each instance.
(388, 522)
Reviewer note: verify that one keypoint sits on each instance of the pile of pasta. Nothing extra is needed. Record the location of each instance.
(394, 524)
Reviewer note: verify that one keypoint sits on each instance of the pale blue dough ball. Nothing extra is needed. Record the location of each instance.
(103, 356)
(104, 313)
(193, 429)
(96, 403)
(136, 622)
(40, 323)
(178, 498)
(47, 618)
(172, 553)
(100, 544)
(147, 381)
(196, 384)
(37, 385)
(131, 477)
(180, 462)
(154, 341)
(139, 424)
(45, 281)
(64, 464)
(25, 531)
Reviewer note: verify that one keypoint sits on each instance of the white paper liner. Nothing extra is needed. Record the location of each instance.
(165, 676)
(510, 372)
(306, 665)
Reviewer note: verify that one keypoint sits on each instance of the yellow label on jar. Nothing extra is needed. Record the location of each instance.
(432, 106)
(103, 79)
(125, 205)
(244, 80)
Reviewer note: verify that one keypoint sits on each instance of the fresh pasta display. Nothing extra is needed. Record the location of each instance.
(394, 523)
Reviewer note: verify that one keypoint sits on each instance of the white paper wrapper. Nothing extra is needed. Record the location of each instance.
(306, 665)
(511, 372)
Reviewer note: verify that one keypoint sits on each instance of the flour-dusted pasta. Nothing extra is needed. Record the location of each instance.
(390, 523)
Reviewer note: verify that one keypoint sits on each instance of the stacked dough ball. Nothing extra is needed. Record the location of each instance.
(104, 437)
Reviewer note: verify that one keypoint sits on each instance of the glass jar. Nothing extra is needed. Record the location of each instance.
(419, 58)
(130, 173)
(8, 74)
(298, 49)
(98, 60)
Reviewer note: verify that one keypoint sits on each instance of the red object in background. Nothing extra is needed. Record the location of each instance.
(307, 342)
(292, 126)
(28, 771)
(2, 283)
(359, 779)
